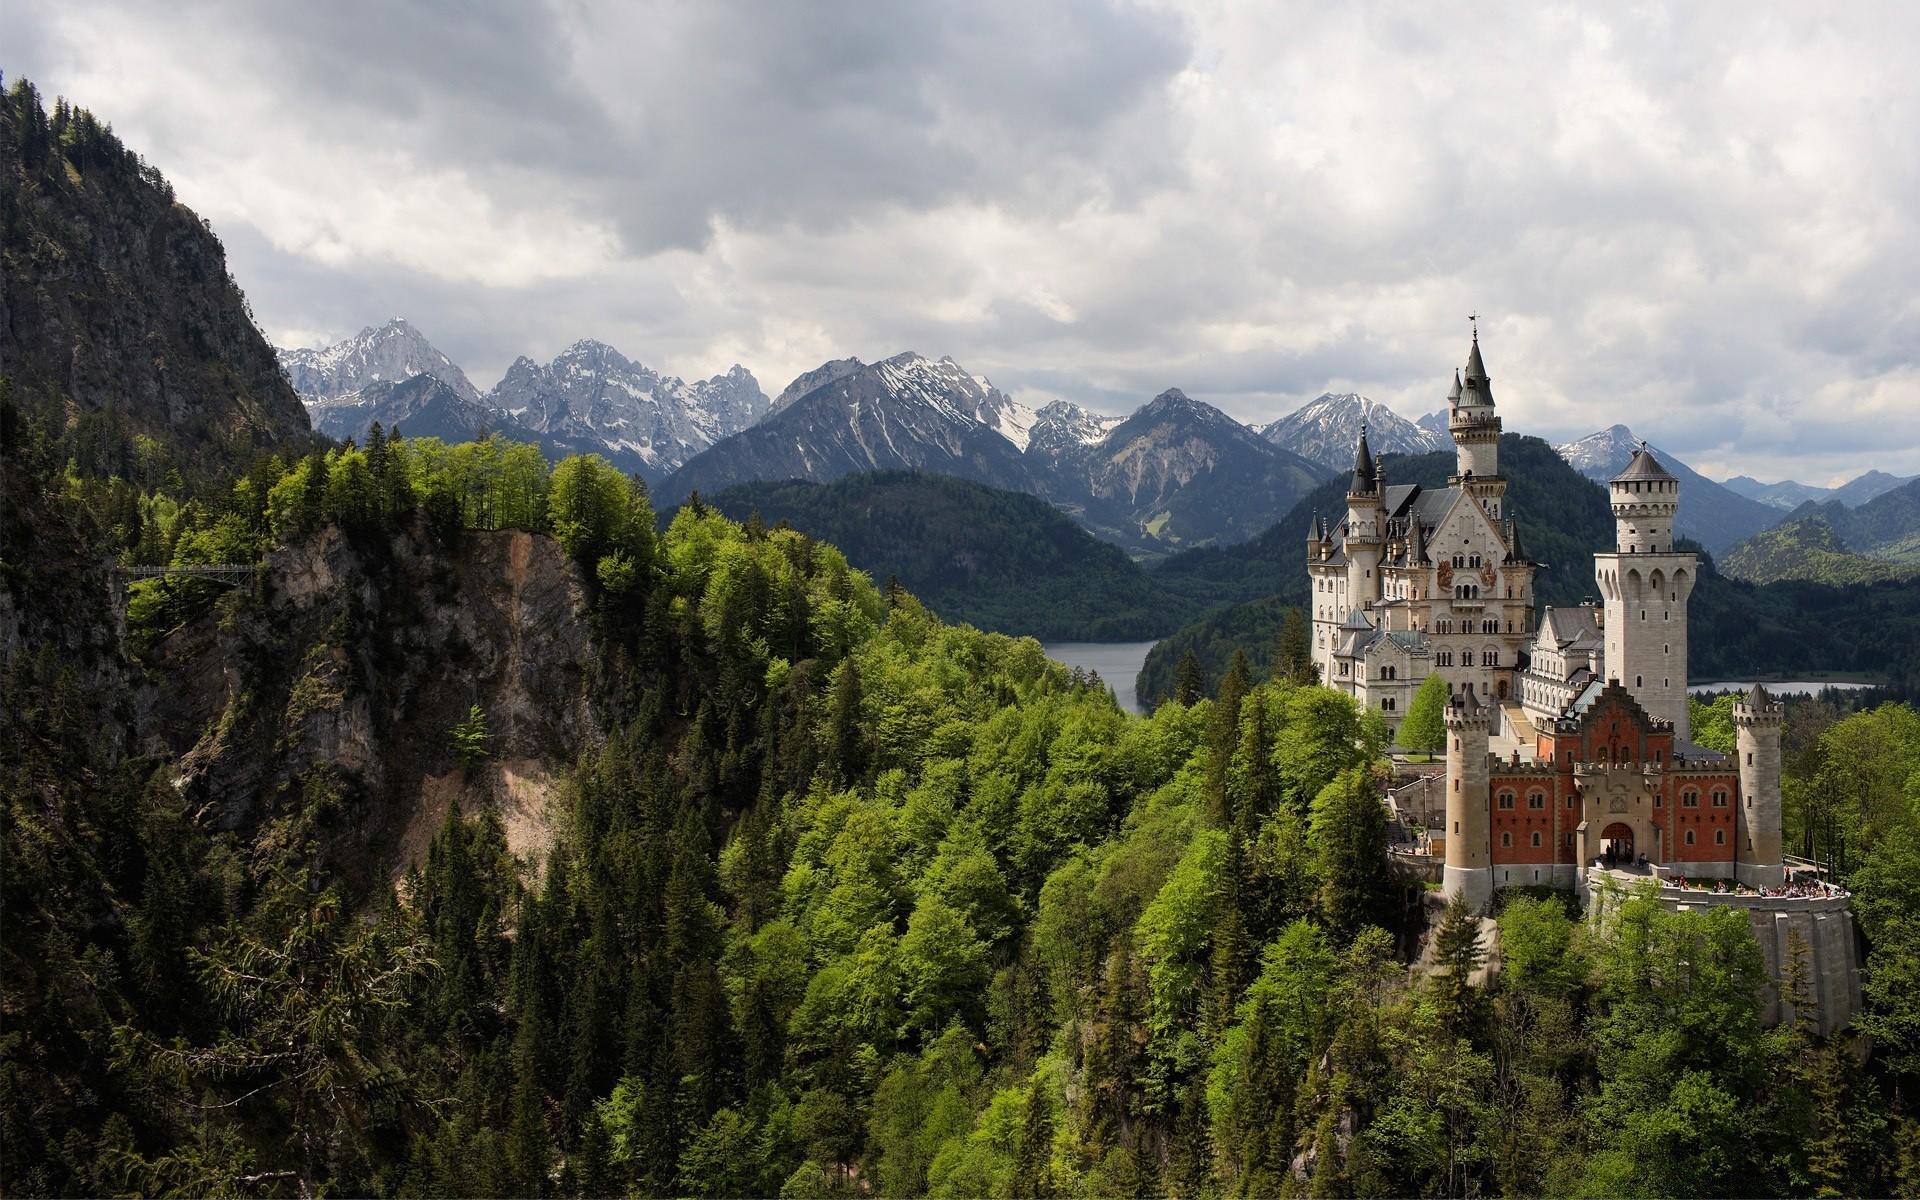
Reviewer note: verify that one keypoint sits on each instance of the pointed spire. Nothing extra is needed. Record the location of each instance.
(1758, 696)
(1514, 551)
(1416, 544)
(1453, 397)
(1476, 369)
(1362, 465)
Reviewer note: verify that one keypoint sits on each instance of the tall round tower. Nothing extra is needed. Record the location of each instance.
(1645, 584)
(1758, 853)
(1469, 871)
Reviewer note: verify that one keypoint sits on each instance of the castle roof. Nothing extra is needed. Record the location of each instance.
(1757, 696)
(1643, 466)
(1362, 465)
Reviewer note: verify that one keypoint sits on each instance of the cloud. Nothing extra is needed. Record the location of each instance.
(1698, 219)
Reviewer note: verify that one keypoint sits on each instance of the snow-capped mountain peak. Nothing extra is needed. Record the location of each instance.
(1605, 451)
(393, 353)
(1325, 429)
(592, 391)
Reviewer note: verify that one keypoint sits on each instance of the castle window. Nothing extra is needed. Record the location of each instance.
(1536, 839)
(1719, 837)
(1569, 839)
(1719, 799)
(1506, 800)
(1689, 799)
(1636, 681)
(1456, 827)
(1506, 840)
(1749, 758)
(1689, 837)
(1536, 800)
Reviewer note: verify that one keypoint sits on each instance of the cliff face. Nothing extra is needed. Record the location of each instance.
(320, 706)
(118, 317)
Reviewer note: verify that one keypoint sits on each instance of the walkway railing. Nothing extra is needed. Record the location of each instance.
(231, 574)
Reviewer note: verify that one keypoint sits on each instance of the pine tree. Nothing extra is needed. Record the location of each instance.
(1457, 955)
(1293, 650)
(1189, 682)
(470, 738)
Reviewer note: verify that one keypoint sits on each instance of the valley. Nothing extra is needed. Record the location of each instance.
(610, 783)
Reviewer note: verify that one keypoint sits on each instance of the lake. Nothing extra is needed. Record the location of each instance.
(1787, 687)
(1118, 663)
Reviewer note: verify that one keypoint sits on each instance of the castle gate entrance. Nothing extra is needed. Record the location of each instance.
(1616, 843)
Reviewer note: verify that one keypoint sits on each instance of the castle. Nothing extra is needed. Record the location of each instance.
(1567, 738)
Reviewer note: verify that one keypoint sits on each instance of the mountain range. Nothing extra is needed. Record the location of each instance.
(1790, 495)
(589, 398)
(1176, 473)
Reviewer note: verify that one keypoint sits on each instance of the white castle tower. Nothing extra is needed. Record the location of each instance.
(1645, 583)
(1757, 857)
(1469, 870)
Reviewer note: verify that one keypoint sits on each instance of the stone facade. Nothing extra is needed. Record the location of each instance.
(1418, 581)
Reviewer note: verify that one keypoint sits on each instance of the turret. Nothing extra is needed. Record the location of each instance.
(1469, 870)
(1646, 584)
(1472, 420)
(1758, 859)
(1366, 527)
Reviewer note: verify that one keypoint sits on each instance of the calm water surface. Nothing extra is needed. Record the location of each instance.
(1790, 687)
(1117, 662)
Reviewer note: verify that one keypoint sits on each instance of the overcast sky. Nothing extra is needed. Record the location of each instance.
(1697, 219)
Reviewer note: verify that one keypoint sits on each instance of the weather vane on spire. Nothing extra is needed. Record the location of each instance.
(1475, 318)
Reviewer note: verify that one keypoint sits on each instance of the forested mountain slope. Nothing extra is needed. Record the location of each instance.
(1886, 527)
(1002, 561)
(1806, 548)
(122, 330)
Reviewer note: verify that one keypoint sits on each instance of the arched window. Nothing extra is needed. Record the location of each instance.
(1689, 837)
(1506, 841)
(1506, 800)
(1536, 800)
(1536, 839)
(1689, 799)
(1719, 837)
(1719, 799)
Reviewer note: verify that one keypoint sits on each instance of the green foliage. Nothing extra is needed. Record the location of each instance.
(1425, 729)
(1805, 549)
(998, 560)
(470, 738)
(845, 898)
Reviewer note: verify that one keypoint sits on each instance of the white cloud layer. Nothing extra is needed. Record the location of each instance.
(1696, 218)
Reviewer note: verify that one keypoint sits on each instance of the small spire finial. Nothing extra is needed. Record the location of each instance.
(1475, 318)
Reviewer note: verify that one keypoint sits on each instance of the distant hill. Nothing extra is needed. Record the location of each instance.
(995, 559)
(1790, 495)
(1807, 548)
(122, 329)
(1711, 514)
(1886, 527)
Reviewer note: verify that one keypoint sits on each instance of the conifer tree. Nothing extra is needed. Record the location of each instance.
(1189, 682)
(1293, 650)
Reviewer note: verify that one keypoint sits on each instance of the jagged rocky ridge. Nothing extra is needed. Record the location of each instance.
(1325, 429)
(1178, 472)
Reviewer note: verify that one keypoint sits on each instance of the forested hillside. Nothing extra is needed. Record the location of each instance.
(1002, 561)
(1806, 548)
(836, 899)
(122, 331)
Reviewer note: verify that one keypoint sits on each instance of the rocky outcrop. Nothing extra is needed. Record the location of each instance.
(320, 706)
(119, 318)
